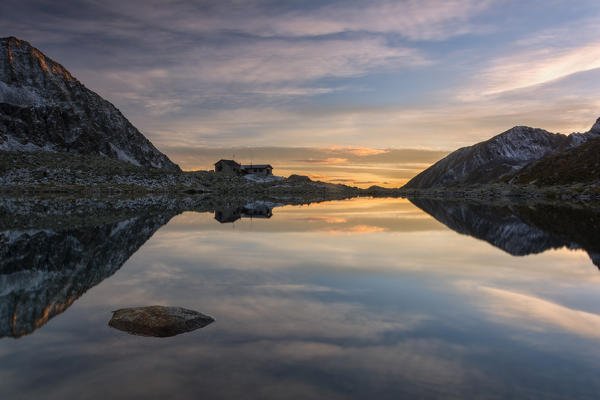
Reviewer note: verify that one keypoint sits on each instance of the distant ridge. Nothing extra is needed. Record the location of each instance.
(500, 156)
(44, 108)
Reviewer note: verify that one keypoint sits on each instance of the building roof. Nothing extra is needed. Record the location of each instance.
(229, 162)
(260, 166)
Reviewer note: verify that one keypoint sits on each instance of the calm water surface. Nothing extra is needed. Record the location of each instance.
(349, 299)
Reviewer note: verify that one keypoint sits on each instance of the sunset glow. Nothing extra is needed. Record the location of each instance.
(340, 76)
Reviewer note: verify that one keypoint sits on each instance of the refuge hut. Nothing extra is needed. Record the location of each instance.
(228, 167)
(258, 169)
(231, 167)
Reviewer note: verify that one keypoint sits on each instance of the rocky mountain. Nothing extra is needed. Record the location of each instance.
(519, 229)
(43, 107)
(580, 164)
(504, 154)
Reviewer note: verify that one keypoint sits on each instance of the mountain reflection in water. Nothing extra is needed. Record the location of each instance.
(521, 229)
(360, 298)
(43, 271)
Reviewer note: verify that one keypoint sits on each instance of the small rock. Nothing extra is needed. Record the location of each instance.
(158, 321)
(298, 179)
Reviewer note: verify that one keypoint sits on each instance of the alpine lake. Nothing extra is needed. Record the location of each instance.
(363, 298)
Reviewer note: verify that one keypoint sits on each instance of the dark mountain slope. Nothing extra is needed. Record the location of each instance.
(577, 165)
(43, 107)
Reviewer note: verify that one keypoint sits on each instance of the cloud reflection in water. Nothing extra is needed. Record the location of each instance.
(409, 310)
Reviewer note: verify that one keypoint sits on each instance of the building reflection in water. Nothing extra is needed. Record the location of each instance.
(250, 210)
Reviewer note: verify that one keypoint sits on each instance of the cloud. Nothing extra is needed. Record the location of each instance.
(157, 52)
(413, 19)
(202, 73)
(534, 313)
(181, 42)
(329, 220)
(357, 230)
(537, 67)
(269, 61)
(434, 127)
(169, 59)
(364, 151)
(546, 56)
(298, 288)
(196, 156)
(324, 161)
(212, 87)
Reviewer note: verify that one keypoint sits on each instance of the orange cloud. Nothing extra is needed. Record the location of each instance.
(358, 150)
(329, 220)
(366, 151)
(330, 160)
(357, 230)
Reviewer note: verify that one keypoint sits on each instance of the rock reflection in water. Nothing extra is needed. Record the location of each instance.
(521, 229)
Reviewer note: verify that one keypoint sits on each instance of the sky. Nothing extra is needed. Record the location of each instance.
(428, 75)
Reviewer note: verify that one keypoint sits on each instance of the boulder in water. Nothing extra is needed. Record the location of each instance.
(158, 321)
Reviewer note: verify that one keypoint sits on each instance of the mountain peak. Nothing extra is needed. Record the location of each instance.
(43, 107)
(13, 40)
(23, 57)
(521, 131)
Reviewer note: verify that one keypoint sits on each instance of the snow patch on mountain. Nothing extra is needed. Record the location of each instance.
(12, 144)
(121, 155)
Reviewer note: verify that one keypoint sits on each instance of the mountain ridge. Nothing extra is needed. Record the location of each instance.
(499, 156)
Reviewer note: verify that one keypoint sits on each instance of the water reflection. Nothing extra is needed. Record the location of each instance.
(364, 298)
(43, 271)
(521, 228)
(256, 209)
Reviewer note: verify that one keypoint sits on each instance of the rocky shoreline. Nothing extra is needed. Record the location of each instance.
(496, 191)
(55, 211)
(88, 175)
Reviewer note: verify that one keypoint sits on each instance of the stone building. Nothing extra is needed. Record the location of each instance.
(258, 169)
(230, 167)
